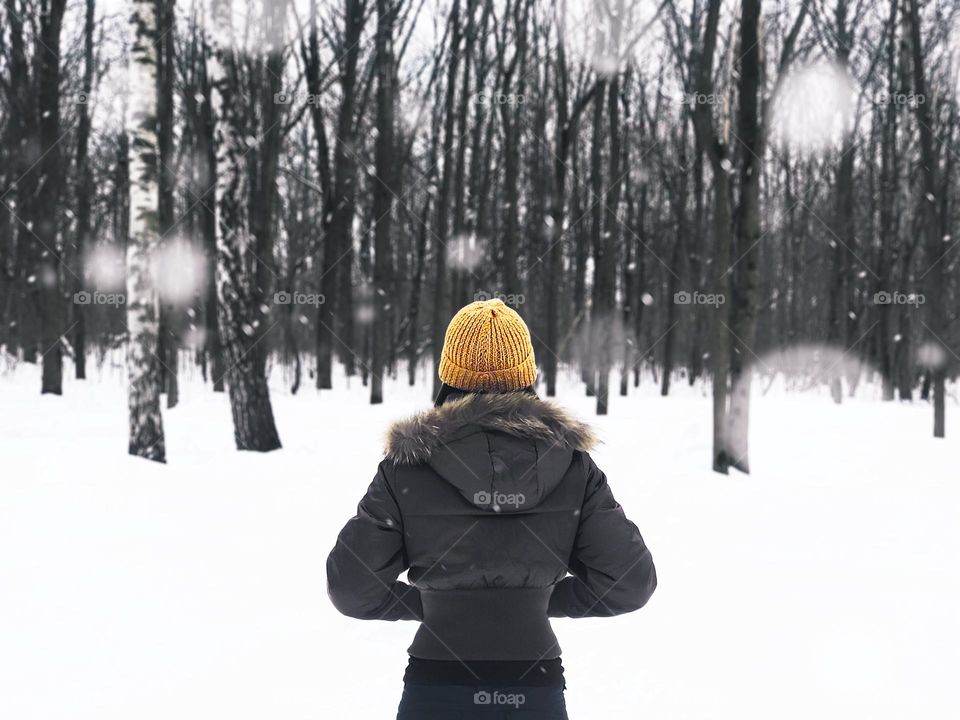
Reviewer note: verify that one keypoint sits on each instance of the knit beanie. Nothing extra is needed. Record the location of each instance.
(487, 347)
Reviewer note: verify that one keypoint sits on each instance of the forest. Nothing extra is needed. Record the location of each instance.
(288, 193)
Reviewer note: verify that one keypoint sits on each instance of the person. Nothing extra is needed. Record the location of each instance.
(492, 504)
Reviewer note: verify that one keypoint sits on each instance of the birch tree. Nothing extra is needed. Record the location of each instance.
(241, 251)
(146, 423)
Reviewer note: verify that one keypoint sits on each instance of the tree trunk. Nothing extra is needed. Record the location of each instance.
(84, 193)
(253, 423)
(146, 423)
(335, 270)
(590, 361)
(838, 292)
(207, 152)
(168, 339)
(441, 289)
(49, 196)
(670, 303)
(555, 251)
(717, 151)
(460, 284)
(510, 122)
(933, 226)
(383, 193)
(606, 291)
(888, 219)
(744, 307)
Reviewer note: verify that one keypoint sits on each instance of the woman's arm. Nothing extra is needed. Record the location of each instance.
(612, 568)
(363, 566)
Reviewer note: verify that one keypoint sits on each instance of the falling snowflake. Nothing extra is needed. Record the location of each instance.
(179, 271)
(195, 337)
(931, 355)
(465, 252)
(814, 107)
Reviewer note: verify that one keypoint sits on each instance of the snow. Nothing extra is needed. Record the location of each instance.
(104, 267)
(814, 107)
(466, 252)
(823, 585)
(179, 271)
(931, 355)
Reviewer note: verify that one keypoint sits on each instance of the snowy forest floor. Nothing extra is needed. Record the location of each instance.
(823, 585)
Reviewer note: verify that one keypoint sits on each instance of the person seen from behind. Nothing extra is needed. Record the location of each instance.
(491, 503)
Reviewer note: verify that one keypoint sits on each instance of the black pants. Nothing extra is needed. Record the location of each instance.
(460, 702)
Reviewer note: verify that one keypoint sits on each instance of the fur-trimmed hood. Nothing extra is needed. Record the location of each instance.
(504, 452)
(519, 414)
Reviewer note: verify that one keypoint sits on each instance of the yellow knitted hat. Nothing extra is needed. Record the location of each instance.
(487, 347)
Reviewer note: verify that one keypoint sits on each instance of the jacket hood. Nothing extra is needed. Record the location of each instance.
(504, 452)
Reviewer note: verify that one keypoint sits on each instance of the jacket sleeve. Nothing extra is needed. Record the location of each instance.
(612, 569)
(369, 555)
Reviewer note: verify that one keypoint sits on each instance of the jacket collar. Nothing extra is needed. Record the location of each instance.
(415, 439)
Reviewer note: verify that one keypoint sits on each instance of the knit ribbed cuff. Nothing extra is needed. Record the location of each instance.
(502, 380)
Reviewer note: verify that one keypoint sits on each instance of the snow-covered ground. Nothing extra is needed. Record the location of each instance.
(824, 585)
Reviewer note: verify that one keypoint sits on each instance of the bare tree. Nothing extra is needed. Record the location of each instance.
(244, 230)
(168, 340)
(48, 199)
(441, 293)
(339, 186)
(933, 223)
(146, 423)
(383, 194)
(85, 189)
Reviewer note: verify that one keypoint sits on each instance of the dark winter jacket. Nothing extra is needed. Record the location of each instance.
(489, 501)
